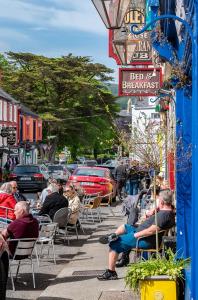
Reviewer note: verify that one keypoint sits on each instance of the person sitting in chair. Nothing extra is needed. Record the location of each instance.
(53, 202)
(25, 225)
(125, 237)
(74, 204)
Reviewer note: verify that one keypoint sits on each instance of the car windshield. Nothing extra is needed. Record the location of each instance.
(26, 169)
(55, 168)
(90, 172)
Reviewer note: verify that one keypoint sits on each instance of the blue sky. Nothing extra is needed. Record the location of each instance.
(54, 28)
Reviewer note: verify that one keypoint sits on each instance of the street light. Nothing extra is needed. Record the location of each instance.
(112, 12)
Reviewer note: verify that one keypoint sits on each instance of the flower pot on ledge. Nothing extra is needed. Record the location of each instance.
(157, 278)
(159, 287)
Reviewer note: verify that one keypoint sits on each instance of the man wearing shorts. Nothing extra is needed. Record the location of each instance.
(125, 237)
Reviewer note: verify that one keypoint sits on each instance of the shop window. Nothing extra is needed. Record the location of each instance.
(1, 110)
(15, 113)
(5, 112)
(10, 112)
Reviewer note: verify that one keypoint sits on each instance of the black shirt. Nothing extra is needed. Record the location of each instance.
(53, 203)
(165, 220)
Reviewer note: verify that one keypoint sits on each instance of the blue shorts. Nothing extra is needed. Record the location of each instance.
(127, 241)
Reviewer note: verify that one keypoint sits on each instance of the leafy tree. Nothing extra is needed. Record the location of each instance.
(67, 92)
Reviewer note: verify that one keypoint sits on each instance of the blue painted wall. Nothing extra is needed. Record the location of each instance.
(183, 172)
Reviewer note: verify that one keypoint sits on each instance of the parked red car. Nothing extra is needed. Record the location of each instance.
(93, 180)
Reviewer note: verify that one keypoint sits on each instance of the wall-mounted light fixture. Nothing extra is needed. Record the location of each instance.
(112, 12)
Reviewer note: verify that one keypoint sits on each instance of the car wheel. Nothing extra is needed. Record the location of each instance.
(3, 275)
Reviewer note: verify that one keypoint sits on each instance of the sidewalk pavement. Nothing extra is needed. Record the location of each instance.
(77, 280)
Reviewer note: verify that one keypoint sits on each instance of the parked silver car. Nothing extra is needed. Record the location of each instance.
(59, 172)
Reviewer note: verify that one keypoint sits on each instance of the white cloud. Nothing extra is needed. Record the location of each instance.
(77, 14)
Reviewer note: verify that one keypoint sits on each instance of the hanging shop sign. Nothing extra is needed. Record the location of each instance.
(11, 138)
(127, 48)
(139, 82)
(4, 131)
(10, 134)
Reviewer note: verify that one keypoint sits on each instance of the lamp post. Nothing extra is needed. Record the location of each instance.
(112, 12)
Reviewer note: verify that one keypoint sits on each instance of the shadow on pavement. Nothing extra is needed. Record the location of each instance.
(24, 282)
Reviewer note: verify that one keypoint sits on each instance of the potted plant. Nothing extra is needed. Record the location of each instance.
(156, 278)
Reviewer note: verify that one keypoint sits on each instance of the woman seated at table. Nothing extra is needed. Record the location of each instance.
(74, 204)
(7, 203)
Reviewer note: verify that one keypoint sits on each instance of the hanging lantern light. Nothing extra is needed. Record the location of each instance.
(112, 12)
(125, 49)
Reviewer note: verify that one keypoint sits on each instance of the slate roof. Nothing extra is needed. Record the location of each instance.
(6, 96)
(24, 109)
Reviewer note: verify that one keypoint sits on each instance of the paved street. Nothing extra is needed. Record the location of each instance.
(74, 275)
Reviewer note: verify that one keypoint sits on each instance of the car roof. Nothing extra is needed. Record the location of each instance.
(87, 167)
(26, 165)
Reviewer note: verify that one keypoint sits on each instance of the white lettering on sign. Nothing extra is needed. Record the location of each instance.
(136, 76)
(139, 82)
(140, 85)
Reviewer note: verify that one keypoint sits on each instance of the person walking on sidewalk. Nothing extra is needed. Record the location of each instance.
(126, 236)
(120, 177)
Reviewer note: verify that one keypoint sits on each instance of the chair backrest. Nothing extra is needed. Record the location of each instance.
(4, 212)
(96, 202)
(61, 217)
(108, 198)
(161, 233)
(48, 230)
(24, 247)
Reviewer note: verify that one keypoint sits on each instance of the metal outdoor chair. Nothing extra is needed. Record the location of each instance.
(61, 217)
(46, 240)
(139, 252)
(4, 220)
(107, 202)
(23, 253)
(92, 204)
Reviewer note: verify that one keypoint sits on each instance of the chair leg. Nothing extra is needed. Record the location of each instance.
(12, 280)
(76, 231)
(66, 235)
(37, 256)
(81, 226)
(111, 210)
(98, 213)
(54, 252)
(92, 216)
(17, 272)
(33, 277)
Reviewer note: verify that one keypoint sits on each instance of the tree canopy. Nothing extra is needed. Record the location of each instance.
(68, 93)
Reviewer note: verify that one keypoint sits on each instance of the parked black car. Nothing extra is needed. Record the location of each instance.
(30, 177)
(4, 265)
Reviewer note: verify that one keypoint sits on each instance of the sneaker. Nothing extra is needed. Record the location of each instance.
(105, 239)
(108, 275)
